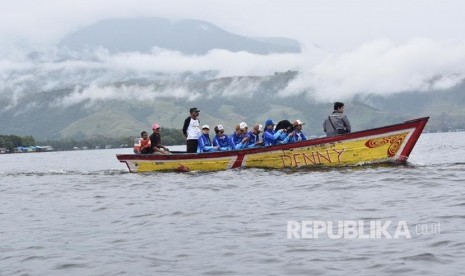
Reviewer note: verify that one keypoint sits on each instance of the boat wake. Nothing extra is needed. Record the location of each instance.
(63, 173)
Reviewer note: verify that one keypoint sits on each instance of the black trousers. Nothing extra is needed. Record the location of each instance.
(192, 145)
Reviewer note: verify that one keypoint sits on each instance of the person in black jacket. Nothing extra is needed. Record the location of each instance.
(155, 141)
(191, 130)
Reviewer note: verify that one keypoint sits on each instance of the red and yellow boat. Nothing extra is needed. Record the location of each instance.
(392, 144)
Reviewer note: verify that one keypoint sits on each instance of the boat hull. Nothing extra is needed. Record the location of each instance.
(392, 143)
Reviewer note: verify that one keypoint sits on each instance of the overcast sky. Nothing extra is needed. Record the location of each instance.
(335, 25)
(379, 46)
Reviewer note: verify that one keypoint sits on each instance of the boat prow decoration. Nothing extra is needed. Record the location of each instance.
(392, 143)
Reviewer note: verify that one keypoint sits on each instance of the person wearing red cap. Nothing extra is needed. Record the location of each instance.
(155, 140)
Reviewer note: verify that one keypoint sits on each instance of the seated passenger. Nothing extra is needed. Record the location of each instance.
(269, 135)
(145, 143)
(337, 123)
(238, 139)
(221, 140)
(287, 132)
(272, 137)
(298, 135)
(155, 140)
(205, 144)
(254, 136)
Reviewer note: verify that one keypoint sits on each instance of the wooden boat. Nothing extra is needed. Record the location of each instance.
(392, 143)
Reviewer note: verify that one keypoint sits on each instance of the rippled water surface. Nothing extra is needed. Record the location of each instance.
(82, 213)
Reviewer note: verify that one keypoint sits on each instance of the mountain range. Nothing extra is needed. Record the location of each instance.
(49, 115)
(94, 101)
(188, 36)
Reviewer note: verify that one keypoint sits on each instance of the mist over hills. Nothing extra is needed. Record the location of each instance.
(121, 90)
(69, 113)
(188, 36)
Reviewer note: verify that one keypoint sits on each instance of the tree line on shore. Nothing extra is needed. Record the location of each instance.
(11, 142)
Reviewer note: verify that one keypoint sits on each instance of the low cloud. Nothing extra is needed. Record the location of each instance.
(378, 67)
(383, 67)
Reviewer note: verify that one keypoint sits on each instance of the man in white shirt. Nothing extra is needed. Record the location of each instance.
(191, 130)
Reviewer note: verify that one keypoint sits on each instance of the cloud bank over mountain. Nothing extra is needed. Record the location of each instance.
(383, 67)
(379, 67)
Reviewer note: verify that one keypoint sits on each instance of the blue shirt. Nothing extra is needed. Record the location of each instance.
(252, 139)
(222, 142)
(270, 137)
(298, 136)
(205, 144)
(236, 141)
(283, 138)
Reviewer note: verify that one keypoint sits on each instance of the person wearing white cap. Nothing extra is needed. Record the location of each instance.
(238, 139)
(254, 136)
(221, 140)
(298, 135)
(205, 144)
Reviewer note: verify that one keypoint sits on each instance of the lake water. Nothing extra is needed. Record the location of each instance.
(82, 213)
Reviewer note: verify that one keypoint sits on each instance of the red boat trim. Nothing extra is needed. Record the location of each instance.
(238, 162)
(412, 140)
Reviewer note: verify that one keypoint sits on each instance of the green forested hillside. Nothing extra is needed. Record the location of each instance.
(221, 101)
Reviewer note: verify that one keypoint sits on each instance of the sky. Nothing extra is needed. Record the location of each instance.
(349, 46)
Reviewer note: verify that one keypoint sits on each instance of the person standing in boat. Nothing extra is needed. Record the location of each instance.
(191, 130)
(254, 136)
(337, 123)
(221, 140)
(155, 141)
(205, 144)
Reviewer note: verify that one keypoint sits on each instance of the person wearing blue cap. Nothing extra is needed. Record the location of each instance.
(270, 136)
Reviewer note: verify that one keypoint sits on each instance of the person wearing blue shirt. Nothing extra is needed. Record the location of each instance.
(238, 139)
(285, 137)
(254, 136)
(205, 144)
(272, 137)
(298, 135)
(221, 140)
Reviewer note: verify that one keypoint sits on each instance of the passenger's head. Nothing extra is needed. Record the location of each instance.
(156, 128)
(257, 129)
(205, 129)
(194, 111)
(239, 131)
(338, 106)
(144, 134)
(243, 126)
(219, 130)
(298, 124)
(269, 124)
